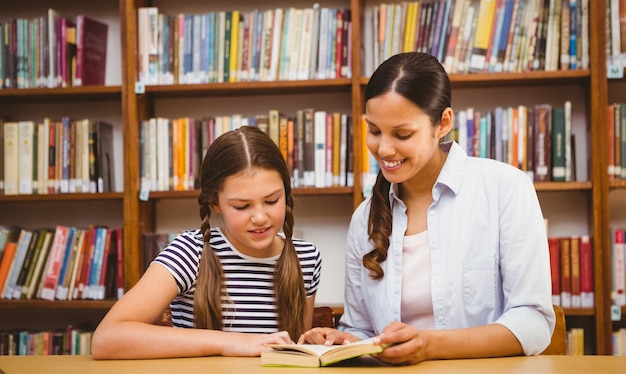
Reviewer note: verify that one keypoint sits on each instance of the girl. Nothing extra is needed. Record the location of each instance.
(232, 288)
(449, 257)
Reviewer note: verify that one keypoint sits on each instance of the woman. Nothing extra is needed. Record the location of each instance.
(449, 257)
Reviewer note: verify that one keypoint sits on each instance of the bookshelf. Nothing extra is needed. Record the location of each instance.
(616, 220)
(588, 199)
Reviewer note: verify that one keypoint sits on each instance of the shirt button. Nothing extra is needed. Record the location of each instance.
(440, 318)
(432, 212)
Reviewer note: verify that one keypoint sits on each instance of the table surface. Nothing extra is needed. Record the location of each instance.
(204, 365)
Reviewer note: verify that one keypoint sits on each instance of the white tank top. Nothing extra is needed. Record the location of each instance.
(417, 303)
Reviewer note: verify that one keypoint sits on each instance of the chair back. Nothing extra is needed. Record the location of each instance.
(558, 343)
(323, 316)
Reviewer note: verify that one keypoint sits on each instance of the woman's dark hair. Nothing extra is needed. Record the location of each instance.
(232, 153)
(421, 79)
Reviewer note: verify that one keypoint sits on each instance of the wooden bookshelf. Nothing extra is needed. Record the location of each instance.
(137, 216)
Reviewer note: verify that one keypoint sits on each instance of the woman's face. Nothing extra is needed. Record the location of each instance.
(252, 206)
(401, 137)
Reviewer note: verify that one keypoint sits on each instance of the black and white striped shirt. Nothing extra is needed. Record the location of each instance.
(249, 280)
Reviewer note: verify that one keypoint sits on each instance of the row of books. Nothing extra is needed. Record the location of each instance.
(616, 33)
(73, 340)
(616, 144)
(571, 265)
(237, 46)
(316, 144)
(56, 156)
(536, 139)
(65, 263)
(481, 36)
(619, 342)
(52, 51)
(618, 256)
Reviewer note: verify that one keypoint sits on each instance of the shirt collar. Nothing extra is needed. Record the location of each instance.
(450, 175)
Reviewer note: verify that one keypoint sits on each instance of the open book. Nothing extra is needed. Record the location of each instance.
(314, 355)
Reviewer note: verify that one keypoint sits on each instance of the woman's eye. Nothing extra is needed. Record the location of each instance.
(271, 202)
(242, 207)
(403, 136)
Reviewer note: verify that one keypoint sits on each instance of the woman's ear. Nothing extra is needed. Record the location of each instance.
(445, 125)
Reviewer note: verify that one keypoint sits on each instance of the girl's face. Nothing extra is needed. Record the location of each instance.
(402, 138)
(252, 206)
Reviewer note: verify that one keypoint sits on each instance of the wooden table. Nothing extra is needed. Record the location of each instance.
(236, 365)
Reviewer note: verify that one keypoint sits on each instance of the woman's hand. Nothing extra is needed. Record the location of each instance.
(240, 344)
(408, 345)
(326, 336)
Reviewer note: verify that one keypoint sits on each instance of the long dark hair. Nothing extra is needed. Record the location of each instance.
(421, 79)
(229, 154)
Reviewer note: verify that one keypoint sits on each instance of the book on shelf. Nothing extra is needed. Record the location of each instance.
(566, 272)
(52, 268)
(619, 270)
(32, 281)
(316, 355)
(480, 45)
(7, 259)
(16, 265)
(587, 293)
(28, 264)
(101, 168)
(119, 232)
(558, 144)
(575, 272)
(11, 157)
(554, 247)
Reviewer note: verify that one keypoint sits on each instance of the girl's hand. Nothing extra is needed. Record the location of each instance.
(326, 336)
(240, 344)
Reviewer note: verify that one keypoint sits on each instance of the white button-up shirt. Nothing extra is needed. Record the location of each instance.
(489, 255)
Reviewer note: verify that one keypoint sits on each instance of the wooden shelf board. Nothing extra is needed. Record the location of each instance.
(63, 197)
(84, 93)
(250, 88)
(57, 304)
(562, 186)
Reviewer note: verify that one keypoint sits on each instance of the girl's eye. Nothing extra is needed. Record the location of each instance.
(403, 136)
(242, 207)
(271, 202)
(374, 131)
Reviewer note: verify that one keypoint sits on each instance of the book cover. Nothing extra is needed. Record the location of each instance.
(575, 271)
(16, 265)
(91, 51)
(319, 153)
(587, 294)
(309, 149)
(554, 247)
(11, 157)
(558, 144)
(566, 272)
(52, 268)
(67, 264)
(7, 259)
(32, 283)
(480, 45)
(618, 261)
(27, 263)
(316, 355)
